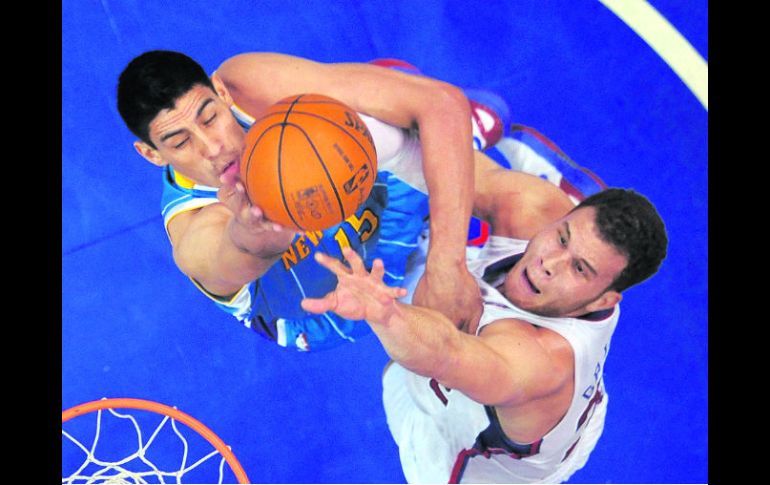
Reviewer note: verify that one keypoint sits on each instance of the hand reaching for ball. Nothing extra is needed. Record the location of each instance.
(249, 230)
(360, 294)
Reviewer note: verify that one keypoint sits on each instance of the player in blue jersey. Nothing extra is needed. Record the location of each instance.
(186, 122)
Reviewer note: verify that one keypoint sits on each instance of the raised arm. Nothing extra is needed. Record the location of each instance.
(439, 110)
(508, 364)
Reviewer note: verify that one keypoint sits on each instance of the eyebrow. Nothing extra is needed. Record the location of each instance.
(583, 260)
(197, 114)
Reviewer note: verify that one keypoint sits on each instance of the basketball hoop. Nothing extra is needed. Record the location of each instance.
(137, 467)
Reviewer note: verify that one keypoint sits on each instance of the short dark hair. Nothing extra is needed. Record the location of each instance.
(628, 221)
(152, 82)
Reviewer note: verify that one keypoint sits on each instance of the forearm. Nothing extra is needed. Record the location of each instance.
(223, 257)
(240, 241)
(425, 342)
(441, 113)
(420, 339)
(447, 155)
(244, 257)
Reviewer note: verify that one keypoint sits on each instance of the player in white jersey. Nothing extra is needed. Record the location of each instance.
(434, 449)
(517, 396)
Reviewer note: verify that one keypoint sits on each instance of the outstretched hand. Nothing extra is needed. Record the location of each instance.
(360, 294)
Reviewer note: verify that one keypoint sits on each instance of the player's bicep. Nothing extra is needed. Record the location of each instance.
(256, 80)
(506, 364)
(193, 235)
(386, 94)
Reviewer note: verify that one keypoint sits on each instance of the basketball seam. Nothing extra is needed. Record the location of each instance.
(323, 165)
(292, 108)
(347, 133)
(280, 156)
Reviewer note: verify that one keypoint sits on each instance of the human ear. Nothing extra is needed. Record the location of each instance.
(606, 300)
(149, 153)
(221, 89)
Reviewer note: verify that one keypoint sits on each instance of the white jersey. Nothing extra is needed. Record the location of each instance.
(444, 436)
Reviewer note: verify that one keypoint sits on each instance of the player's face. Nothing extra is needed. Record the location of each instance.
(566, 269)
(199, 136)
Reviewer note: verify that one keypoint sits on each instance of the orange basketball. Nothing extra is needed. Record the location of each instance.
(309, 162)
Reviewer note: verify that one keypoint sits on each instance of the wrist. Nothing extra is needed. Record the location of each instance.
(447, 241)
(260, 244)
(445, 259)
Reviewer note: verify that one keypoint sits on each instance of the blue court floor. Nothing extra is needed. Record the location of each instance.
(133, 325)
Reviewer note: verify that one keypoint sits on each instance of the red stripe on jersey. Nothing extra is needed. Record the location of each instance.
(465, 455)
(571, 449)
(437, 391)
(482, 237)
(459, 466)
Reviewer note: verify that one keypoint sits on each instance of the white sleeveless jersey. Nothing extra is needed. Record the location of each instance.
(444, 436)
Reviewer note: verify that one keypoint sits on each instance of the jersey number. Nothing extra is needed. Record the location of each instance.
(364, 227)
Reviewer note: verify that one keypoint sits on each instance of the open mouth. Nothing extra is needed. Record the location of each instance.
(534, 288)
(230, 168)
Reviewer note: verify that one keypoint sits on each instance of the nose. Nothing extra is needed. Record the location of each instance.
(210, 146)
(552, 261)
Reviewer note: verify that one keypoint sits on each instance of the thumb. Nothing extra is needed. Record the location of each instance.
(226, 190)
(233, 196)
(320, 305)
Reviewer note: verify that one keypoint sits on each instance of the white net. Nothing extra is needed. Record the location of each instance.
(139, 466)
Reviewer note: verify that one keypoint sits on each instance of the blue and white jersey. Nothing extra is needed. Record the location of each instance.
(386, 226)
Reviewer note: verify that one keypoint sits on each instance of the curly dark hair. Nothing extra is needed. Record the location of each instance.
(628, 221)
(152, 82)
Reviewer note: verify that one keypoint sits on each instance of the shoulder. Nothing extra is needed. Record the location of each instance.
(546, 350)
(546, 338)
(233, 66)
(256, 80)
(196, 220)
(517, 204)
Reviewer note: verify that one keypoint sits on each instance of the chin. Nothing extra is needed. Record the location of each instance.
(524, 303)
(540, 309)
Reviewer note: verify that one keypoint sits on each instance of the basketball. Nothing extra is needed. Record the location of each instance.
(309, 162)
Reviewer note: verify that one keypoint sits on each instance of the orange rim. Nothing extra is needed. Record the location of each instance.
(143, 404)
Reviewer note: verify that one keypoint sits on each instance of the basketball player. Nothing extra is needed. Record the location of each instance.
(520, 398)
(194, 126)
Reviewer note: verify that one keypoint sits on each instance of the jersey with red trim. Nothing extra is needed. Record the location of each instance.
(448, 437)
